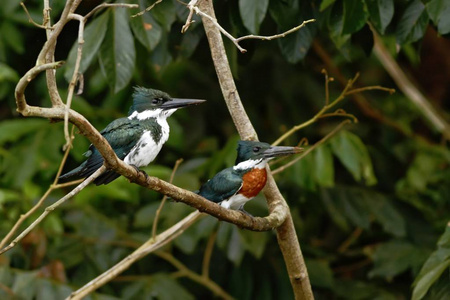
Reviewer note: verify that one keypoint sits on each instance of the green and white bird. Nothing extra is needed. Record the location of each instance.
(235, 186)
(136, 139)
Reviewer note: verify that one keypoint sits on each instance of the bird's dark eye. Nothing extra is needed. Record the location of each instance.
(256, 149)
(157, 100)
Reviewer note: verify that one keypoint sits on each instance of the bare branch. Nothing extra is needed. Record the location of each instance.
(208, 253)
(148, 247)
(163, 201)
(27, 78)
(76, 75)
(329, 105)
(192, 6)
(30, 19)
(309, 150)
(276, 36)
(408, 88)
(186, 272)
(287, 237)
(147, 9)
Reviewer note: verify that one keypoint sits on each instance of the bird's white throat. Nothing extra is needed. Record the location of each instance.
(250, 164)
(152, 113)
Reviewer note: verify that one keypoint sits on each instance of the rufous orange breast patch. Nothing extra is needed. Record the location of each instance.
(254, 181)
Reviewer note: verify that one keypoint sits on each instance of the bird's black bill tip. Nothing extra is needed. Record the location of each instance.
(176, 103)
(275, 151)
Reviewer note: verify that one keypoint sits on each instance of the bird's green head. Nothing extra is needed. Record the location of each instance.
(251, 153)
(150, 103)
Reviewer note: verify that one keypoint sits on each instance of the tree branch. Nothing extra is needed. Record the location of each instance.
(185, 271)
(408, 88)
(148, 247)
(193, 6)
(287, 238)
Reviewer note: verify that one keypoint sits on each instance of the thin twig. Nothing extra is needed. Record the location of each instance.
(163, 201)
(359, 99)
(276, 36)
(309, 150)
(150, 246)
(322, 113)
(327, 90)
(277, 206)
(189, 21)
(73, 82)
(370, 88)
(52, 187)
(408, 88)
(184, 271)
(348, 241)
(208, 254)
(192, 6)
(146, 10)
(30, 19)
(52, 207)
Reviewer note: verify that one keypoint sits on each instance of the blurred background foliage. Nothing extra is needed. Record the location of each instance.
(371, 206)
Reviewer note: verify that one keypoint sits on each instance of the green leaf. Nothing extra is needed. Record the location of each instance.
(161, 55)
(285, 13)
(393, 258)
(165, 13)
(94, 34)
(385, 213)
(190, 40)
(325, 4)
(147, 30)
(14, 38)
(13, 130)
(436, 264)
(320, 273)
(236, 250)
(253, 13)
(413, 23)
(145, 216)
(117, 53)
(301, 172)
(167, 288)
(159, 286)
(354, 155)
(359, 290)
(323, 166)
(295, 46)
(254, 242)
(439, 12)
(381, 13)
(333, 209)
(355, 16)
(7, 73)
(24, 285)
(353, 206)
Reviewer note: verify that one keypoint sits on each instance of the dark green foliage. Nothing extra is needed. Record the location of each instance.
(371, 206)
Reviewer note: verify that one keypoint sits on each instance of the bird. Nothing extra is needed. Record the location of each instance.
(136, 139)
(233, 187)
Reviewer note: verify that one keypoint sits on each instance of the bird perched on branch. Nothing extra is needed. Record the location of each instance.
(136, 139)
(235, 186)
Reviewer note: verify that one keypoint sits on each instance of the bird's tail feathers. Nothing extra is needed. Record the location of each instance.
(75, 172)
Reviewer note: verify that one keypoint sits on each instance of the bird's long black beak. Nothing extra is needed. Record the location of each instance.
(275, 151)
(179, 103)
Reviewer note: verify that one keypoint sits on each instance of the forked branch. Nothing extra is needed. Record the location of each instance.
(193, 7)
